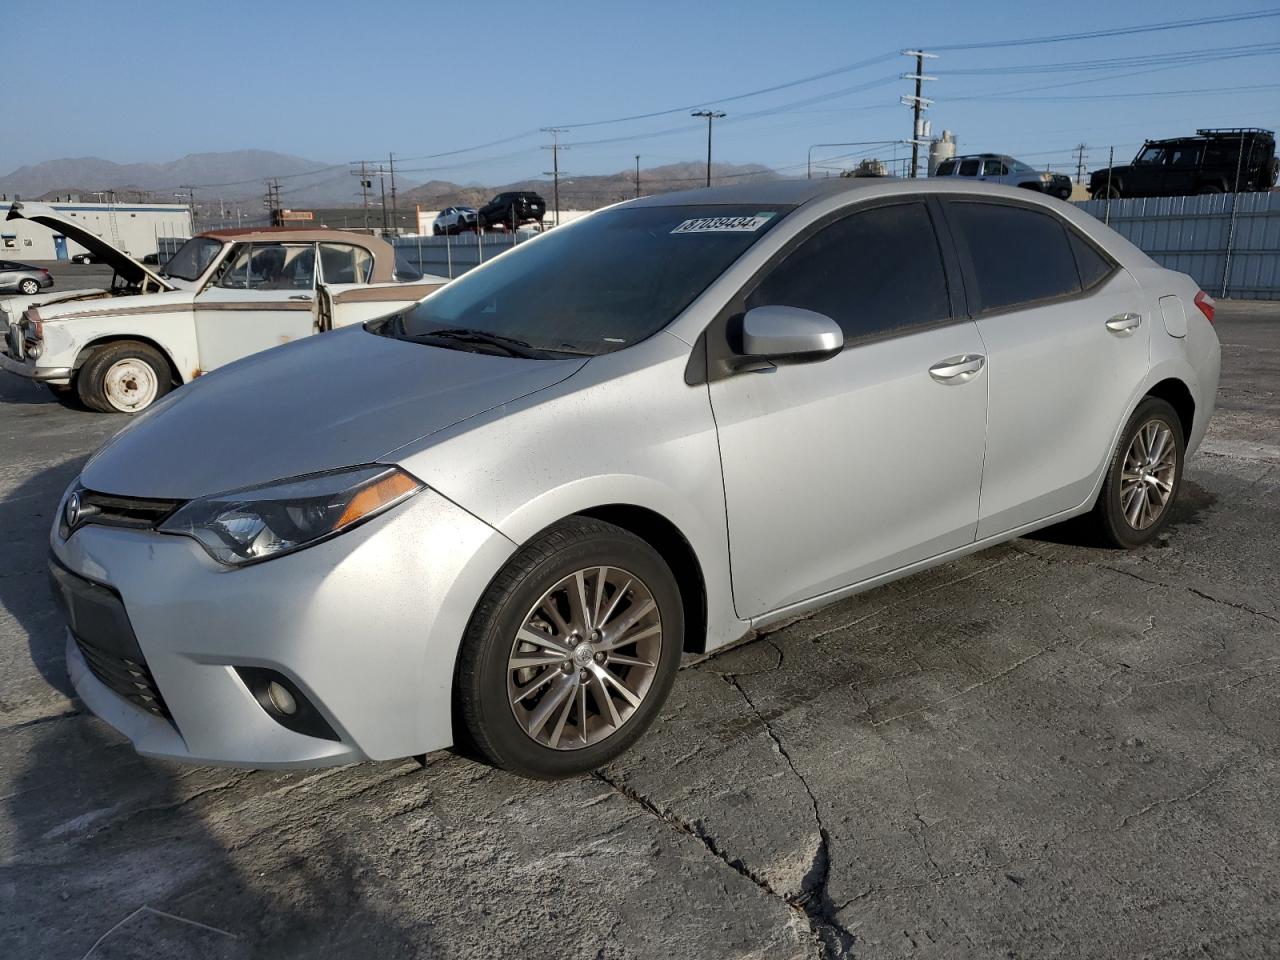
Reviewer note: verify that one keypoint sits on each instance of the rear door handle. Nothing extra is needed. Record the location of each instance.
(1124, 323)
(959, 369)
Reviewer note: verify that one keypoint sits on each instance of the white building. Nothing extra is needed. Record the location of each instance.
(132, 227)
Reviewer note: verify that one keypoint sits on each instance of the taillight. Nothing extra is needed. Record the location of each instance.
(1206, 305)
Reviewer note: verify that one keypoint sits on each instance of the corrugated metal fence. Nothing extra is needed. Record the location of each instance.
(1230, 243)
(453, 256)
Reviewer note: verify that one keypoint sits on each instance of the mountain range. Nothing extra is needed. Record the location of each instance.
(240, 176)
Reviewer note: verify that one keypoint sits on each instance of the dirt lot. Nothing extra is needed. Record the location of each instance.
(1039, 751)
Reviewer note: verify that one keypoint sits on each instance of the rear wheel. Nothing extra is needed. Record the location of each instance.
(1143, 478)
(29, 286)
(571, 652)
(1107, 193)
(123, 377)
(1209, 188)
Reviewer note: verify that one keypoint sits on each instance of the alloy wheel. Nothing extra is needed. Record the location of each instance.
(584, 658)
(1148, 474)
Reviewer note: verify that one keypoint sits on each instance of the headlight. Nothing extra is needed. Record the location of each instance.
(257, 523)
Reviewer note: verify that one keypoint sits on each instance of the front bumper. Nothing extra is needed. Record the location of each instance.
(28, 369)
(365, 625)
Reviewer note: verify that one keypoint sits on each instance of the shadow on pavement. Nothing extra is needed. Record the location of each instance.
(105, 852)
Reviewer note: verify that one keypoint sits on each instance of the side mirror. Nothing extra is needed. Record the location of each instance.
(789, 334)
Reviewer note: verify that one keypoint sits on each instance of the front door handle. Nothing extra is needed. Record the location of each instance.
(959, 369)
(1124, 323)
(301, 296)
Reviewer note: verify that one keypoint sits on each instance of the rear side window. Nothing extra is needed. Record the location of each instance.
(1093, 266)
(874, 273)
(344, 263)
(945, 169)
(969, 168)
(1018, 255)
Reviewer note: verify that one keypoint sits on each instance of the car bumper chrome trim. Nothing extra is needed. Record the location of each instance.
(33, 372)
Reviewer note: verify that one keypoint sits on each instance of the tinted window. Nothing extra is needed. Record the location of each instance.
(598, 284)
(872, 273)
(1018, 255)
(945, 169)
(994, 168)
(968, 168)
(1093, 266)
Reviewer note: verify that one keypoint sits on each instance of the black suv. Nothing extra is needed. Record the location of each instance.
(512, 209)
(1206, 163)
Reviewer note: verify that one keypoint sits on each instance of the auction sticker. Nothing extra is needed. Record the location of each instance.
(724, 224)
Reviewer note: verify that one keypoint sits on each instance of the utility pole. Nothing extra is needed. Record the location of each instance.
(395, 216)
(1080, 149)
(191, 203)
(555, 149)
(365, 184)
(710, 115)
(272, 202)
(918, 103)
(637, 175)
(382, 183)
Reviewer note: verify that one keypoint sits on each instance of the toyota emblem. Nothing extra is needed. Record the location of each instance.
(72, 511)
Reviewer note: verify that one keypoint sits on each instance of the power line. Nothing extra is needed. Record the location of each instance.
(1180, 57)
(1114, 32)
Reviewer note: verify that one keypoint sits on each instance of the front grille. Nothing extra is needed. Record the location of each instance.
(127, 511)
(99, 623)
(140, 513)
(126, 677)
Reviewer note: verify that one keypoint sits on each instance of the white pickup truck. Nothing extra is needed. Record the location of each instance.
(224, 295)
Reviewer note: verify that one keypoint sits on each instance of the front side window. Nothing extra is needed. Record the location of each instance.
(995, 168)
(875, 272)
(271, 266)
(192, 259)
(1149, 155)
(969, 168)
(1017, 255)
(1184, 157)
(596, 285)
(1017, 166)
(345, 263)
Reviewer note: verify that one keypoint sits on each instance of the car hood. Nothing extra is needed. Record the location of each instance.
(89, 305)
(123, 264)
(333, 400)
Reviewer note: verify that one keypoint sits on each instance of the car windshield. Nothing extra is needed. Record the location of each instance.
(597, 285)
(192, 258)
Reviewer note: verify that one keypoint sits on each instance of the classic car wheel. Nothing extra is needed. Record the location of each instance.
(29, 287)
(571, 652)
(123, 377)
(1143, 478)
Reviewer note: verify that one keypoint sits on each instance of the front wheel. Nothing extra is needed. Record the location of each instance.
(1209, 188)
(123, 377)
(571, 651)
(1143, 478)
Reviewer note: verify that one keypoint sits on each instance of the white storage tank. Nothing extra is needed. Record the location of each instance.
(944, 148)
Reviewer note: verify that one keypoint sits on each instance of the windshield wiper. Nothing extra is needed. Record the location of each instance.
(509, 345)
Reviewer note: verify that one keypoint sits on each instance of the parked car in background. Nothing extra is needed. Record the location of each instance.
(224, 295)
(1213, 161)
(1003, 169)
(455, 220)
(500, 517)
(84, 258)
(510, 210)
(23, 278)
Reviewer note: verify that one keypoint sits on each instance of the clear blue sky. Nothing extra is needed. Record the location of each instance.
(334, 80)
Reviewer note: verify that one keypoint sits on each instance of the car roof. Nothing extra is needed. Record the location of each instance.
(793, 192)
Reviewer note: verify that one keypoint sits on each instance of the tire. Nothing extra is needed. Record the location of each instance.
(29, 287)
(529, 719)
(1109, 521)
(1104, 193)
(436, 230)
(1208, 188)
(123, 377)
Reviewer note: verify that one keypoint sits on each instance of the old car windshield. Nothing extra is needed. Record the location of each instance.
(192, 258)
(597, 285)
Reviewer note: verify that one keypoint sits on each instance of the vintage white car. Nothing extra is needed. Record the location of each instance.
(224, 295)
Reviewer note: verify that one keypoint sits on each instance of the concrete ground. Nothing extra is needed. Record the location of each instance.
(1039, 751)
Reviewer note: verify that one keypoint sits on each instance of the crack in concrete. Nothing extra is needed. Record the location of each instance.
(1238, 606)
(1124, 821)
(815, 899)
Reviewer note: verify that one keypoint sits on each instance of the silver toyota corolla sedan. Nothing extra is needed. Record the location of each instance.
(499, 517)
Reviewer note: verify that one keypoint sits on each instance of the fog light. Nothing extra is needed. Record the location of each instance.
(281, 699)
